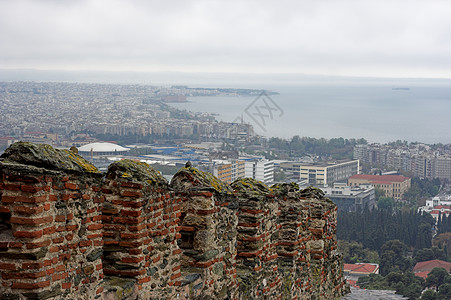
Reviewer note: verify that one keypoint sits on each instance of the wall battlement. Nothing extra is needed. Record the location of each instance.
(68, 231)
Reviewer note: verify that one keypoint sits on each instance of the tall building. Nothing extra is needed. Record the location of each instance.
(328, 173)
(292, 169)
(262, 170)
(394, 186)
(442, 168)
(229, 171)
(350, 198)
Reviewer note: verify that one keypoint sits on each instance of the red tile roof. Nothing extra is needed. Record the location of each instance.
(423, 274)
(361, 268)
(442, 206)
(428, 265)
(380, 178)
(352, 283)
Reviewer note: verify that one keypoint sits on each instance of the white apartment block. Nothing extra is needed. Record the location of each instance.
(261, 170)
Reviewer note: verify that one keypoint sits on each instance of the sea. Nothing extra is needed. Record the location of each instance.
(377, 112)
(377, 109)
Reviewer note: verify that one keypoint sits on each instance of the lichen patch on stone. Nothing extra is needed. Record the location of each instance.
(191, 177)
(45, 156)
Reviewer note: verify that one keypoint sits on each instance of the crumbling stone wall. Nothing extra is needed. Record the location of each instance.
(257, 239)
(52, 247)
(70, 232)
(207, 235)
(140, 219)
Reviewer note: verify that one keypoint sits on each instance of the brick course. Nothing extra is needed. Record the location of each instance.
(73, 232)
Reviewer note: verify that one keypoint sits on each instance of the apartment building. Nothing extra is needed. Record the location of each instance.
(262, 170)
(349, 198)
(394, 186)
(321, 174)
(229, 171)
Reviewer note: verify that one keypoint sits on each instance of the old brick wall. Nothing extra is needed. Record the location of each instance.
(67, 231)
(257, 240)
(140, 219)
(208, 235)
(54, 241)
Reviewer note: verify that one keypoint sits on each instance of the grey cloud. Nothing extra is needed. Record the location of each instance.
(348, 37)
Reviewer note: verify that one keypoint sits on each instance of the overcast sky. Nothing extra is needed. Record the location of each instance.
(395, 38)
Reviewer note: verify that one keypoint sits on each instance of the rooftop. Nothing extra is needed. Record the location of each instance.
(102, 147)
(428, 265)
(383, 179)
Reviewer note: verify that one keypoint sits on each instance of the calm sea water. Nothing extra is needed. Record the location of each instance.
(378, 113)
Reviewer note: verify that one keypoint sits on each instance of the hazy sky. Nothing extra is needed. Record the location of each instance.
(394, 38)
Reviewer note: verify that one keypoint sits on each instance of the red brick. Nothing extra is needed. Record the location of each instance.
(176, 275)
(106, 191)
(137, 228)
(7, 266)
(31, 221)
(60, 218)
(131, 194)
(57, 277)
(60, 268)
(23, 199)
(132, 235)
(11, 187)
(66, 285)
(26, 210)
(131, 213)
(50, 271)
(53, 198)
(28, 234)
(22, 275)
(38, 244)
(94, 236)
(128, 244)
(54, 249)
(176, 268)
(93, 227)
(136, 251)
(132, 185)
(72, 227)
(30, 285)
(70, 186)
(187, 228)
(144, 280)
(31, 189)
(132, 260)
(4, 209)
(85, 243)
(49, 230)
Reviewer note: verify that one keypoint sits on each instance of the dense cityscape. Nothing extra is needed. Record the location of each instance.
(108, 123)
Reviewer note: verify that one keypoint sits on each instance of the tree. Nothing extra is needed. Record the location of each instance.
(385, 203)
(444, 291)
(429, 295)
(393, 257)
(436, 277)
(430, 254)
(354, 252)
(424, 236)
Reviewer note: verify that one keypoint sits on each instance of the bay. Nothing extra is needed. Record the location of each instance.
(378, 113)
